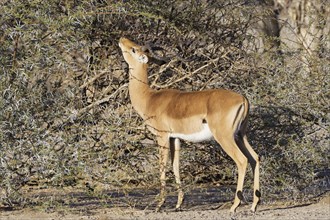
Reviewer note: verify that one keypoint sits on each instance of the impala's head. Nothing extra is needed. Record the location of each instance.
(133, 53)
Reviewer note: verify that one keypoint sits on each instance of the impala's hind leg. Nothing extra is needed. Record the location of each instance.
(254, 161)
(255, 164)
(175, 155)
(230, 147)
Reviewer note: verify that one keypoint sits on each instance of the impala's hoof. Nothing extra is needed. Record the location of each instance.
(254, 207)
(161, 201)
(233, 210)
(179, 209)
(180, 201)
(159, 206)
(256, 201)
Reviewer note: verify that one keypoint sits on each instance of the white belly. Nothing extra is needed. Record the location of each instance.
(203, 135)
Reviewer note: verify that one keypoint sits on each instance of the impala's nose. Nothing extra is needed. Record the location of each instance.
(122, 41)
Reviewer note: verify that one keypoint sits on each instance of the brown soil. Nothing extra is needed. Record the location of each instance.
(318, 208)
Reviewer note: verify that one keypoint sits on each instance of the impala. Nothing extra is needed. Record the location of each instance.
(197, 116)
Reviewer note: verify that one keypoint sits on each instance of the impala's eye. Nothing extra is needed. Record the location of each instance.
(133, 50)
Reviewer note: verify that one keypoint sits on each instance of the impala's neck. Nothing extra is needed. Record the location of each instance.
(139, 89)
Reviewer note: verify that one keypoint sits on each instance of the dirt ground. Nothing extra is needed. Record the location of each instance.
(319, 209)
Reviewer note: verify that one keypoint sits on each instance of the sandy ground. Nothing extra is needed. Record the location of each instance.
(318, 211)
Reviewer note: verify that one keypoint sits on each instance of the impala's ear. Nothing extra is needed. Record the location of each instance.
(143, 58)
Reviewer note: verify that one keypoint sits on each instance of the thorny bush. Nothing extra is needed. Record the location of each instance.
(65, 115)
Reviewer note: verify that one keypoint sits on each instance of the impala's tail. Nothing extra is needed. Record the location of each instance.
(240, 121)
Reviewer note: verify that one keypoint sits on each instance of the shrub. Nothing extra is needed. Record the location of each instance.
(66, 119)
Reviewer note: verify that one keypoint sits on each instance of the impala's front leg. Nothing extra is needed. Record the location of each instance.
(163, 143)
(175, 155)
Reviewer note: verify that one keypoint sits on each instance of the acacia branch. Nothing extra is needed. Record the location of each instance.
(98, 102)
(187, 75)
